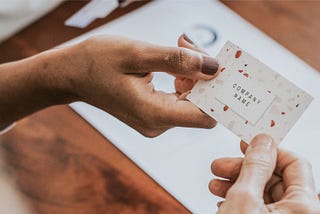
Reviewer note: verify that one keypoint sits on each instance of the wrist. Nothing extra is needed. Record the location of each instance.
(35, 83)
(59, 72)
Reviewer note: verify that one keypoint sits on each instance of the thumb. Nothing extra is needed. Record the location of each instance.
(258, 165)
(179, 61)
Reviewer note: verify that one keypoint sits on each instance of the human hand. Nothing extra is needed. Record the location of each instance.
(264, 181)
(117, 78)
(112, 73)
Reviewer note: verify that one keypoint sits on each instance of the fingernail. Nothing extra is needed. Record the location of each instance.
(262, 140)
(209, 66)
(185, 37)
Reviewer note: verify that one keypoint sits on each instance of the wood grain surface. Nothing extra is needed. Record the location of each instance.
(63, 165)
(294, 24)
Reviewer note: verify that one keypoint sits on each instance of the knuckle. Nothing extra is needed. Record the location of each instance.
(130, 56)
(181, 59)
(187, 62)
(133, 55)
(174, 59)
(149, 127)
(261, 162)
(150, 133)
(192, 61)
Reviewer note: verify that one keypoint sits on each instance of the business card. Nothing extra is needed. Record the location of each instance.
(250, 98)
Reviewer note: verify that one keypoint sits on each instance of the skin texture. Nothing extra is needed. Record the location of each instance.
(266, 180)
(114, 74)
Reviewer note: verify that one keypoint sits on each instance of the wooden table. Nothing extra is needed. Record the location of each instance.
(63, 165)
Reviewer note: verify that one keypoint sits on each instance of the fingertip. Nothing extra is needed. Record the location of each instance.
(213, 166)
(219, 203)
(185, 41)
(263, 141)
(181, 41)
(183, 85)
(219, 187)
(243, 146)
(214, 187)
(211, 123)
(211, 186)
(183, 96)
(178, 85)
(186, 114)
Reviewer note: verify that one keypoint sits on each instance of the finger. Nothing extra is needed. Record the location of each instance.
(168, 110)
(243, 146)
(183, 84)
(274, 187)
(184, 95)
(228, 168)
(171, 112)
(296, 172)
(178, 61)
(258, 164)
(219, 187)
(219, 203)
(277, 191)
(267, 198)
(188, 115)
(185, 41)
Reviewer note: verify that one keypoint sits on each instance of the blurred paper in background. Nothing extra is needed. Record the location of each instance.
(17, 14)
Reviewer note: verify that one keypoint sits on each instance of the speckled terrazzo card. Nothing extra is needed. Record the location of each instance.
(250, 98)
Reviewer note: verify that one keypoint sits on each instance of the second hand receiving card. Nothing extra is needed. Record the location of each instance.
(249, 98)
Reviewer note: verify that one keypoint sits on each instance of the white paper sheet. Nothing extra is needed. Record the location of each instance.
(179, 160)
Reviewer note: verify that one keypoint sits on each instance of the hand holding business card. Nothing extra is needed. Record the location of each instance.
(250, 98)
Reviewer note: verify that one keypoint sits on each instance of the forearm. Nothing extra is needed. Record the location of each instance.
(29, 85)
